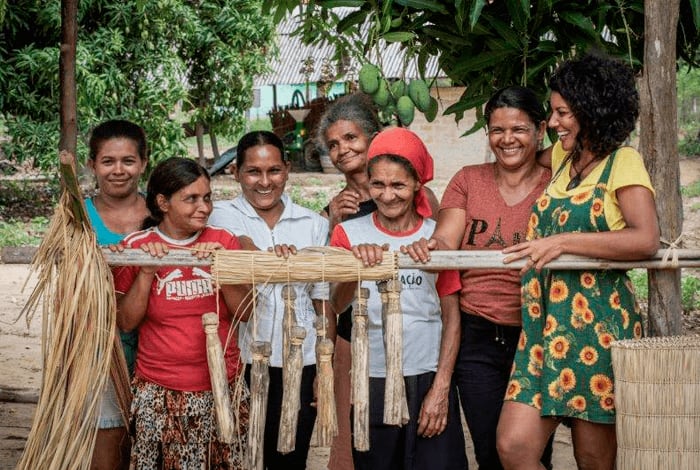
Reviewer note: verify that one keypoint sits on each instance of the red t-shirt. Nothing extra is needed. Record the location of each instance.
(172, 343)
(491, 224)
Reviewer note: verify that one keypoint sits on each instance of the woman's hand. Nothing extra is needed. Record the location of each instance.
(283, 250)
(432, 419)
(345, 203)
(538, 252)
(420, 249)
(204, 249)
(371, 254)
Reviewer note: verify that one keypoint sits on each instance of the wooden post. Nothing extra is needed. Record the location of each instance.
(360, 372)
(259, 389)
(395, 406)
(291, 395)
(327, 421)
(219, 379)
(658, 142)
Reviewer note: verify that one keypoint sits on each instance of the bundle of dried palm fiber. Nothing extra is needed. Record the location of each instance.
(395, 405)
(657, 399)
(309, 265)
(225, 425)
(78, 335)
(327, 419)
(259, 390)
(291, 401)
(359, 344)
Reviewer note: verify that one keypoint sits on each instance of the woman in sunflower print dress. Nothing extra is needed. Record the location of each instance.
(600, 203)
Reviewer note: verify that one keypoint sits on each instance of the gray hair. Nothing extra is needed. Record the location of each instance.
(358, 108)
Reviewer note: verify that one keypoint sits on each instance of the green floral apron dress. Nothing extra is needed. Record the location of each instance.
(562, 365)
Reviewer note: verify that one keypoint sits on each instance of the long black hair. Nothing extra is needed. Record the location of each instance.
(167, 178)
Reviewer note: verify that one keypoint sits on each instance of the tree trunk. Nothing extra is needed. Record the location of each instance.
(659, 145)
(199, 133)
(68, 103)
(214, 145)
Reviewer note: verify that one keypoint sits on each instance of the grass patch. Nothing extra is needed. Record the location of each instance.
(692, 190)
(17, 233)
(690, 288)
(315, 201)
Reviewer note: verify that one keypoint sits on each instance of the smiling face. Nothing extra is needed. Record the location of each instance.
(118, 167)
(186, 212)
(263, 176)
(393, 189)
(563, 122)
(347, 146)
(513, 137)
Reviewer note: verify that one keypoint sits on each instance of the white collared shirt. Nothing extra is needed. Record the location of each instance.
(297, 226)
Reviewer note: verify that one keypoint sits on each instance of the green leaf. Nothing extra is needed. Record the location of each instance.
(353, 19)
(479, 62)
(475, 12)
(519, 11)
(577, 19)
(340, 3)
(429, 5)
(695, 8)
(478, 125)
(398, 36)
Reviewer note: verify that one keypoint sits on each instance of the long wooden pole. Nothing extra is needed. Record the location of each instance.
(68, 101)
(440, 260)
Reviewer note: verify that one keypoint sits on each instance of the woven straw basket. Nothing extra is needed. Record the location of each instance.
(657, 397)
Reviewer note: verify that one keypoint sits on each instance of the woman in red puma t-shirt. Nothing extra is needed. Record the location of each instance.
(172, 407)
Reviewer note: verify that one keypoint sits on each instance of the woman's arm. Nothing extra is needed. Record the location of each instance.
(239, 301)
(132, 306)
(638, 240)
(448, 235)
(432, 419)
(342, 295)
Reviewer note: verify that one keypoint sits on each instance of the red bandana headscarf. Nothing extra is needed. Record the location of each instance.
(404, 143)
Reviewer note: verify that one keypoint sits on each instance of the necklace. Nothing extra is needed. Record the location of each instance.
(576, 179)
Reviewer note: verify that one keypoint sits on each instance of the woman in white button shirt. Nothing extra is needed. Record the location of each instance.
(266, 214)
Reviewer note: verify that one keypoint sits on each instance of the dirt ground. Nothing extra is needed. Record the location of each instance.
(20, 343)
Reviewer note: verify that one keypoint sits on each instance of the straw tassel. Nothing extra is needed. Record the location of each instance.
(291, 401)
(289, 320)
(395, 406)
(327, 421)
(219, 379)
(360, 372)
(259, 389)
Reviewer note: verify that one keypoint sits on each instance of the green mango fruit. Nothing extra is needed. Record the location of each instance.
(420, 95)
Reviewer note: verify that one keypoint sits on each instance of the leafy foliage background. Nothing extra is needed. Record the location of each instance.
(138, 60)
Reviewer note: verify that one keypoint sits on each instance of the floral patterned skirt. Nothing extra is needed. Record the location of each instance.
(177, 430)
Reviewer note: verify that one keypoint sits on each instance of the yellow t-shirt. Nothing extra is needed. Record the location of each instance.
(627, 170)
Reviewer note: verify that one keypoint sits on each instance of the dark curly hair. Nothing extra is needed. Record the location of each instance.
(602, 96)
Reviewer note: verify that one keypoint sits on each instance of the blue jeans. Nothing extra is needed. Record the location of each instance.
(481, 373)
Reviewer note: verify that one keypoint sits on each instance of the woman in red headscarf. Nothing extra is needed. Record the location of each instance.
(398, 167)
